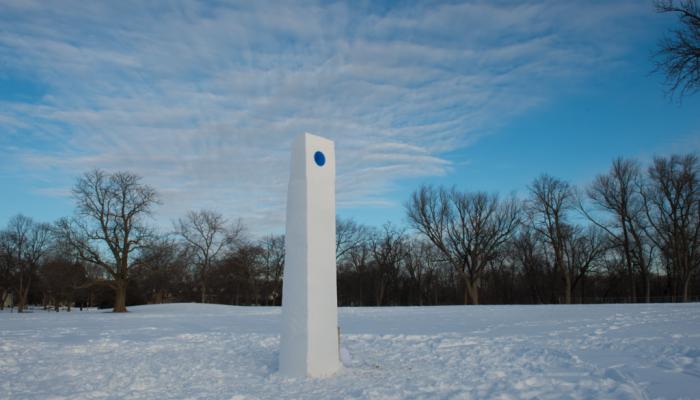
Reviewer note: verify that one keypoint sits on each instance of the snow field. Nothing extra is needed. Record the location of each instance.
(198, 351)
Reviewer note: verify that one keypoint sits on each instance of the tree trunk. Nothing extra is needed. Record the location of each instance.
(647, 288)
(628, 262)
(204, 293)
(473, 290)
(670, 291)
(23, 297)
(420, 294)
(567, 289)
(380, 294)
(686, 284)
(465, 289)
(362, 296)
(19, 304)
(120, 296)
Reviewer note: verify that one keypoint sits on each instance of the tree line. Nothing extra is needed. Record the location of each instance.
(632, 234)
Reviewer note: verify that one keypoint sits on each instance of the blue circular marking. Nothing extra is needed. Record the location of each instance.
(319, 158)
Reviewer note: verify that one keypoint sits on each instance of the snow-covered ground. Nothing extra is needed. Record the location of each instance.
(221, 352)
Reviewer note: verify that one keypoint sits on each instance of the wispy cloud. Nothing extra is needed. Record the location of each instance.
(204, 98)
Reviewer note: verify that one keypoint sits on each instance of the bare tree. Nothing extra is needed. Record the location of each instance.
(584, 251)
(353, 258)
(618, 194)
(388, 246)
(672, 206)
(24, 243)
(238, 275)
(273, 264)
(207, 234)
(469, 229)
(550, 201)
(678, 56)
(421, 260)
(161, 269)
(109, 226)
(6, 269)
(528, 256)
(61, 279)
(348, 235)
(358, 259)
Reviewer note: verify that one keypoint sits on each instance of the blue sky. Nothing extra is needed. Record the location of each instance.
(204, 98)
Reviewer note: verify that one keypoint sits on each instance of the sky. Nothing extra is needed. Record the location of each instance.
(203, 99)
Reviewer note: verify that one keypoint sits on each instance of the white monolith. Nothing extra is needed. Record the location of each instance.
(309, 342)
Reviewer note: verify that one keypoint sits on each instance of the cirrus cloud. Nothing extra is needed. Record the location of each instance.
(204, 98)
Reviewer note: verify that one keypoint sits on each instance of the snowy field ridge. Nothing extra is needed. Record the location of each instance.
(197, 351)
